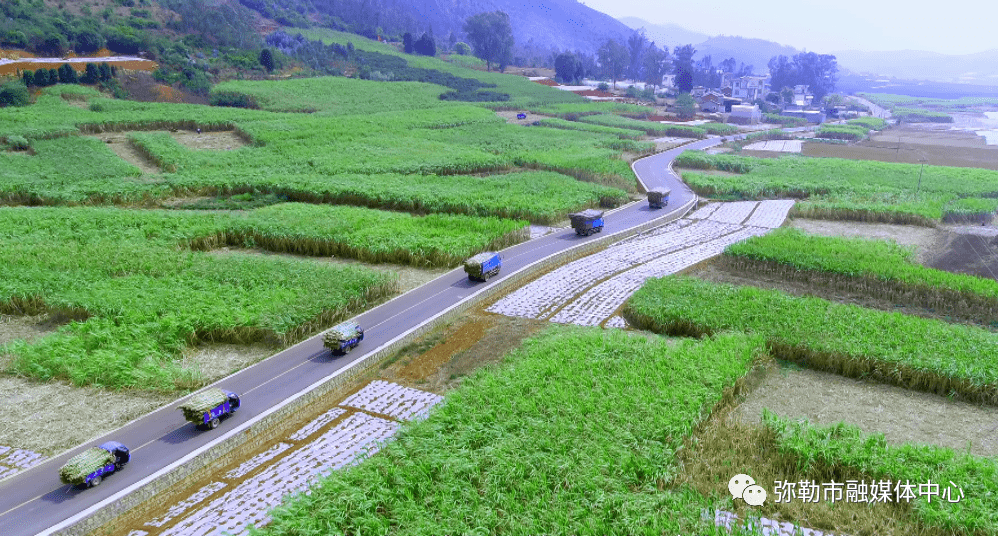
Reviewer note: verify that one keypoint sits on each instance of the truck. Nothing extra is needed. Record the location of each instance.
(88, 468)
(483, 266)
(587, 222)
(206, 408)
(658, 197)
(342, 338)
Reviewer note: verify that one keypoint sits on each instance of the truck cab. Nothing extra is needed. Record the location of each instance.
(119, 451)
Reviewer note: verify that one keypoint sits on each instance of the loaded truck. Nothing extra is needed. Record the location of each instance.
(658, 197)
(207, 407)
(483, 266)
(343, 337)
(587, 222)
(88, 468)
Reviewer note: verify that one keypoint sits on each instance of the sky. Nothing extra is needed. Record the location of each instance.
(962, 27)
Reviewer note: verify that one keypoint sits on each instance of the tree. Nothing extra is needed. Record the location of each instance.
(683, 67)
(491, 38)
(425, 46)
(267, 59)
(88, 41)
(28, 77)
(817, 71)
(685, 107)
(636, 46)
(42, 77)
(407, 43)
(788, 95)
(53, 77)
(613, 59)
(728, 65)
(90, 75)
(66, 74)
(567, 67)
(656, 65)
(104, 70)
(462, 48)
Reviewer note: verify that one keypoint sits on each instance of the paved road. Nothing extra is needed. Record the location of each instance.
(35, 500)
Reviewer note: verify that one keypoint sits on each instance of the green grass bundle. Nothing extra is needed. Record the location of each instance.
(199, 404)
(78, 467)
(340, 332)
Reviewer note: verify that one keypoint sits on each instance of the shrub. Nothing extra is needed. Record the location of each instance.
(14, 94)
(18, 143)
(462, 48)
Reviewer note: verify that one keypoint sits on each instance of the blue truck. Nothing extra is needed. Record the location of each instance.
(206, 408)
(88, 468)
(658, 197)
(342, 338)
(587, 222)
(483, 266)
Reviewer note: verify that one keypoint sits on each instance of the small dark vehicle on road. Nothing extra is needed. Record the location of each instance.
(658, 197)
(207, 407)
(587, 222)
(342, 338)
(88, 468)
(483, 266)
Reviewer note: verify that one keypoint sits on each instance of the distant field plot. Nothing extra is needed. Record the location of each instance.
(13, 461)
(337, 95)
(783, 146)
(843, 189)
(888, 100)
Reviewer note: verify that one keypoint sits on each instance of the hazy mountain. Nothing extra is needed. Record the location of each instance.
(665, 34)
(754, 52)
(980, 68)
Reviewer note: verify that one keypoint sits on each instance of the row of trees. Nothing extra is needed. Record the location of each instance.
(818, 71)
(65, 74)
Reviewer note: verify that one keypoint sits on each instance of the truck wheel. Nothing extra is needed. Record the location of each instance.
(95, 482)
(213, 424)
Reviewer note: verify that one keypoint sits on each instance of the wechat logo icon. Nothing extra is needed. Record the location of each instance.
(743, 487)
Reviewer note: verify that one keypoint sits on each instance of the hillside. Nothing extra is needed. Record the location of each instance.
(665, 34)
(754, 52)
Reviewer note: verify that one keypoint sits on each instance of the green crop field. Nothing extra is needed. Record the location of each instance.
(626, 133)
(878, 267)
(847, 189)
(122, 274)
(842, 132)
(872, 123)
(588, 450)
(888, 100)
(913, 352)
(651, 128)
(307, 149)
(968, 482)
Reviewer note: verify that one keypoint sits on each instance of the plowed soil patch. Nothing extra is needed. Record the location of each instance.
(132, 65)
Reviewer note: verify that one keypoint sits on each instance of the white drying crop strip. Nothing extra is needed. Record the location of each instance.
(576, 297)
(347, 442)
(13, 461)
(391, 399)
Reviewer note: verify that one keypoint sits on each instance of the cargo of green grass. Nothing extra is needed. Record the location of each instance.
(77, 469)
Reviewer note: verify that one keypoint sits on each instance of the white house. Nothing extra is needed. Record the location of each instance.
(802, 96)
(749, 88)
(745, 114)
(669, 81)
(711, 101)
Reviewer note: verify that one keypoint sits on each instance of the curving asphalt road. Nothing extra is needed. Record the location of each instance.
(36, 500)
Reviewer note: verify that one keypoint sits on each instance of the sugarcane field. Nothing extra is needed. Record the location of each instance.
(342, 287)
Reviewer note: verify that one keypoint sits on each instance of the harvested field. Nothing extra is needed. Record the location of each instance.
(9, 67)
(902, 415)
(914, 145)
(13, 461)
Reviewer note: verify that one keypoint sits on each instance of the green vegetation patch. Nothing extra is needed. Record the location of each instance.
(554, 122)
(954, 492)
(121, 274)
(590, 448)
(913, 352)
(649, 127)
(888, 100)
(842, 132)
(917, 115)
(871, 123)
(784, 120)
(840, 188)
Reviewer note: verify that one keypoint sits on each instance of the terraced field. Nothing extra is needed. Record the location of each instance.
(589, 291)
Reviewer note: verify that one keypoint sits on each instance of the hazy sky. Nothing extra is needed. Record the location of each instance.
(959, 27)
